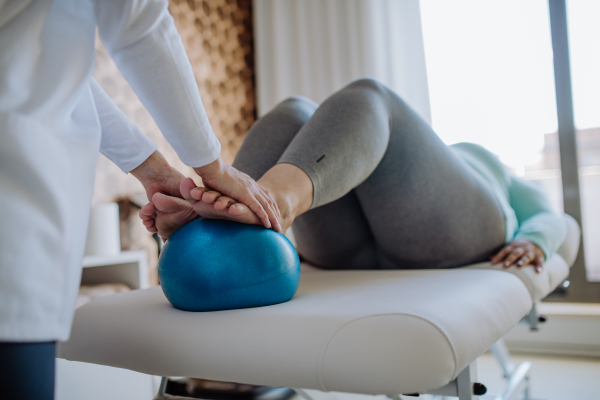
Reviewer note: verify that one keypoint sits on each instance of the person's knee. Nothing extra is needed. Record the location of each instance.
(299, 107)
(368, 84)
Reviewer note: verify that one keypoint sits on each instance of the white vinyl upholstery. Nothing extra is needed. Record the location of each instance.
(569, 248)
(373, 331)
(377, 332)
(555, 271)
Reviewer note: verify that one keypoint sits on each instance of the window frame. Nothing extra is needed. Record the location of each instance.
(579, 289)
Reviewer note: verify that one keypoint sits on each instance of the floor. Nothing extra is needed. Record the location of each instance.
(552, 378)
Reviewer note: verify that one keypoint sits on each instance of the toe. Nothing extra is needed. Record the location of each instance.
(147, 211)
(186, 188)
(238, 209)
(223, 202)
(241, 213)
(170, 204)
(211, 196)
(197, 192)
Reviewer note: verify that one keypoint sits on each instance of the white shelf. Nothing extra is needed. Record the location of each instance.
(128, 267)
(123, 257)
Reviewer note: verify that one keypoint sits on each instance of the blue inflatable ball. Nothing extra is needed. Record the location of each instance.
(210, 265)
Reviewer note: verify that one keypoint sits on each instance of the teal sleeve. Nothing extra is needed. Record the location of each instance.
(538, 222)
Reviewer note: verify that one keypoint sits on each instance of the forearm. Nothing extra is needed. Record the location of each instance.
(122, 142)
(546, 230)
(142, 39)
(538, 223)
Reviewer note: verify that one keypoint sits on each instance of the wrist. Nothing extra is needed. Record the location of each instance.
(212, 170)
(151, 168)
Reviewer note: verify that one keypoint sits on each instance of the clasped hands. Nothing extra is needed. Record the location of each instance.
(157, 176)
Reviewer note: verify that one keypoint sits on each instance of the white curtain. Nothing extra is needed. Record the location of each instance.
(315, 47)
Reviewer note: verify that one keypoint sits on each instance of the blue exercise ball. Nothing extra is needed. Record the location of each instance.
(210, 265)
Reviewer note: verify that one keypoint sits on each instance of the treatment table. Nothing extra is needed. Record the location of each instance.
(361, 331)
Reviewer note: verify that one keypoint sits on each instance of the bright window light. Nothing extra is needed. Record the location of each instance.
(490, 72)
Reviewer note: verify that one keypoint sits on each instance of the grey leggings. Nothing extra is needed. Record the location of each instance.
(388, 193)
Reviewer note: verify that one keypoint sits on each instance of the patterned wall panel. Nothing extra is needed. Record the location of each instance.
(217, 35)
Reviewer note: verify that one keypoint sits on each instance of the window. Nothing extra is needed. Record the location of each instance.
(584, 43)
(491, 82)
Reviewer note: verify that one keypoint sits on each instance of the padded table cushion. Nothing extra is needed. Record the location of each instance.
(374, 332)
(556, 268)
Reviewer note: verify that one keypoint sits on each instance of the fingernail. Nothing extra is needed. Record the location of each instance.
(520, 263)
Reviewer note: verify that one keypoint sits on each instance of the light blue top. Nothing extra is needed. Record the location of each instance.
(527, 210)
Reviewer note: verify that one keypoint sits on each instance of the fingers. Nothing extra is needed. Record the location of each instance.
(526, 259)
(240, 212)
(538, 264)
(257, 209)
(502, 254)
(230, 182)
(209, 196)
(238, 209)
(224, 202)
(521, 253)
(274, 207)
(514, 255)
(186, 188)
(271, 214)
(147, 212)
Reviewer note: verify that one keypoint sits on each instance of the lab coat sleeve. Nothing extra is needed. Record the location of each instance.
(122, 141)
(538, 222)
(141, 37)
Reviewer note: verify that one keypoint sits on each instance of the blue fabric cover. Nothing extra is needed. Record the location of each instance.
(210, 265)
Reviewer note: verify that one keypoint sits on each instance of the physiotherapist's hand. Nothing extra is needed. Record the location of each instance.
(157, 176)
(520, 252)
(229, 181)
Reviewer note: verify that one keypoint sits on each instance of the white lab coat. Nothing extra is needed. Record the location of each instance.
(50, 136)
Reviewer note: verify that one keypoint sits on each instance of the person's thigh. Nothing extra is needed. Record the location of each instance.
(336, 236)
(27, 370)
(425, 206)
(333, 236)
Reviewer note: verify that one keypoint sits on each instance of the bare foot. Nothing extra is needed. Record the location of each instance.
(212, 204)
(165, 214)
(292, 190)
(290, 187)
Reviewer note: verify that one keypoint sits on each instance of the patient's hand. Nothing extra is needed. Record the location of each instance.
(520, 252)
